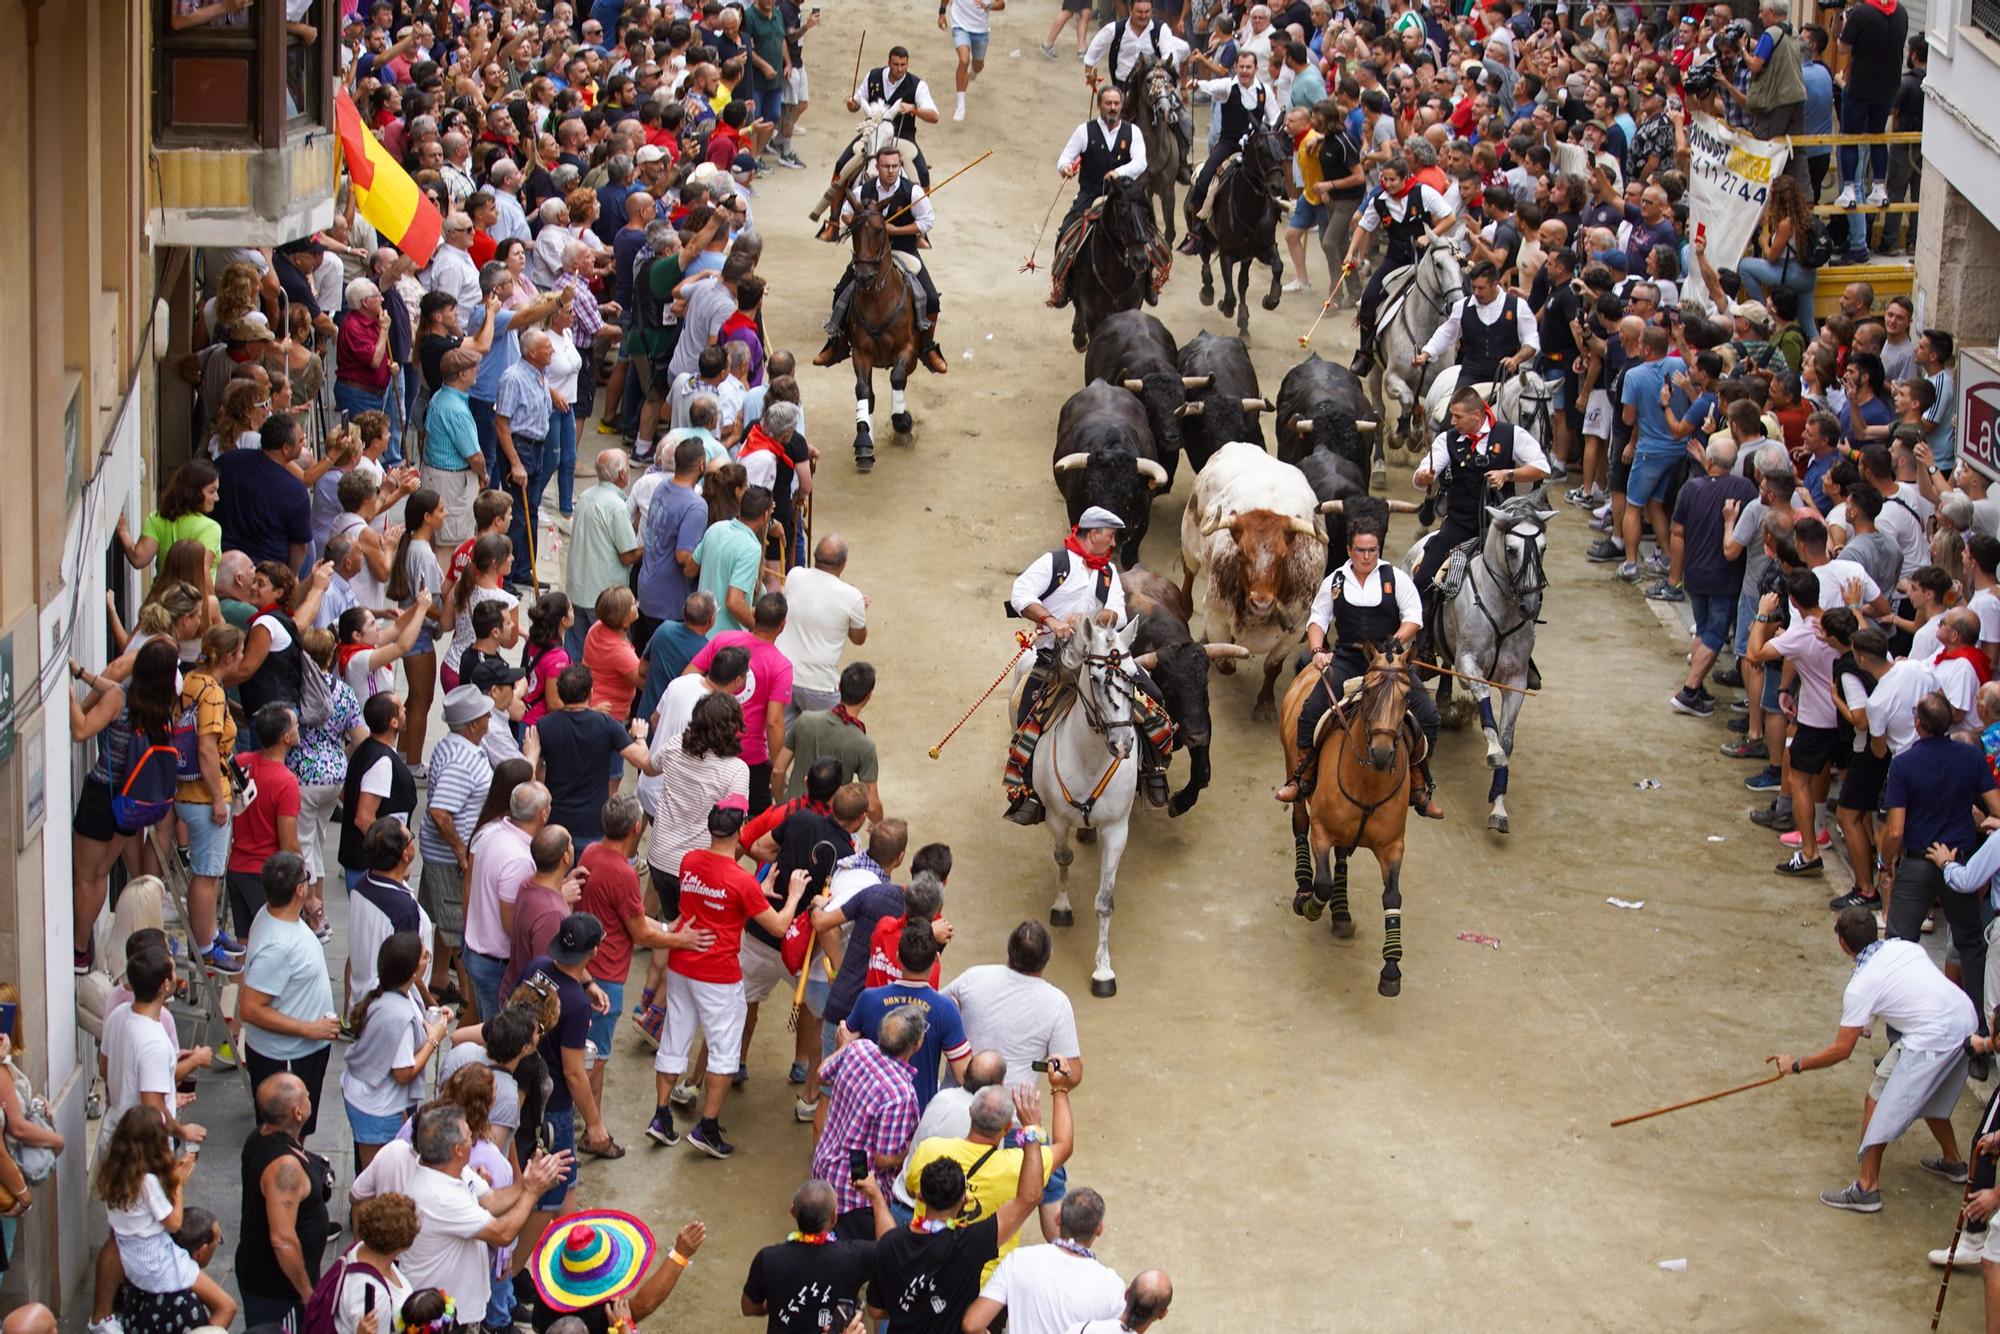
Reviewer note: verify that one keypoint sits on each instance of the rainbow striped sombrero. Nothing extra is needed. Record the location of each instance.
(590, 1257)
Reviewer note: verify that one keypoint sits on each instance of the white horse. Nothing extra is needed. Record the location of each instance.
(875, 132)
(1086, 771)
(1404, 323)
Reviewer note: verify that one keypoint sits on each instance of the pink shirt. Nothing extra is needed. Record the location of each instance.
(356, 352)
(770, 683)
(611, 658)
(546, 669)
(501, 864)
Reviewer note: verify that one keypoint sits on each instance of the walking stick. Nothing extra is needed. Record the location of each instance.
(859, 47)
(1305, 339)
(531, 519)
(1028, 265)
(1696, 1102)
(1951, 1252)
(1026, 641)
(1476, 680)
(799, 992)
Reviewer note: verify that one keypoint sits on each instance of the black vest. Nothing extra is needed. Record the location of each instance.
(278, 681)
(1402, 235)
(896, 201)
(1237, 120)
(1118, 43)
(1481, 345)
(1366, 625)
(1099, 158)
(906, 91)
(402, 798)
(1465, 491)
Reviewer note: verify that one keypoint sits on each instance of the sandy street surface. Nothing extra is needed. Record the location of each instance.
(1298, 1153)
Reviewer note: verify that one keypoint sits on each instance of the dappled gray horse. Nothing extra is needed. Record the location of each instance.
(1406, 323)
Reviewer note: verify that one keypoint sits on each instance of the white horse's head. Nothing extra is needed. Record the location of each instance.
(1517, 538)
(1101, 660)
(877, 130)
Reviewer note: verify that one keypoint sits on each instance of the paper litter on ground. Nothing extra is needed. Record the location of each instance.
(1474, 938)
(1674, 1266)
(1626, 903)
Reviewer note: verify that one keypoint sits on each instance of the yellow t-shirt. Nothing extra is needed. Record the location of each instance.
(202, 693)
(999, 1177)
(1309, 168)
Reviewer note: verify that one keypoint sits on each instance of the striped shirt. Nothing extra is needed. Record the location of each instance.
(873, 1106)
(584, 315)
(523, 399)
(459, 777)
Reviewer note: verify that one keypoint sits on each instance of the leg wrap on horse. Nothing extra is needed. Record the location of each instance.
(1302, 861)
(1486, 714)
(1498, 787)
(1337, 900)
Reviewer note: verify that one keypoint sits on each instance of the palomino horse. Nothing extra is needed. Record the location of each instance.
(1086, 770)
(1113, 269)
(1243, 224)
(1408, 317)
(1488, 629)
(881, 330)
(1361, 800)
(1154, 106)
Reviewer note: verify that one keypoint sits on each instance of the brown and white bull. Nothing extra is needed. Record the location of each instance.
(1253, 524)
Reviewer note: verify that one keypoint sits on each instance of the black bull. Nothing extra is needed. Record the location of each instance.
(1133, 349)
(1223, 398)
(1324, 425)
(1179, 666)
(1104, 455)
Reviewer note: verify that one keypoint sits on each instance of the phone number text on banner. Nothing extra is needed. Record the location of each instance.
(1729, 182)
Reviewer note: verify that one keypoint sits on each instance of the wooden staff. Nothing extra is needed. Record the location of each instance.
(1305, 339)
(1027, 642)
(932, 192)
(1951, 1251)
(1479, 680)
(859, 47)
(1706, 1097)
(1028, 265)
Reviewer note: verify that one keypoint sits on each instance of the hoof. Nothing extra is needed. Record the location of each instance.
(1497, 823)
(1271, 302)
(1061, 917)
(1208, 296)
(1086, 835)
(864, 462)
(1079, 342)
(1182, 803)
(1343, 925)
(1264, 712)
(1308, 905)
(1389, 986)
(1227, 308)
(1103, 987)
(1496, 759)
(903, 423)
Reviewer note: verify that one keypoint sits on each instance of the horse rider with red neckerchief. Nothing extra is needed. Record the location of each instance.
(1059, 592)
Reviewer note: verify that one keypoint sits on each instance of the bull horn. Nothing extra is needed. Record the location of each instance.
(1303, 425)
(1259, 405)
(1197, 381)
(1147, 661)
(1403, 507)
(1364, 425)
(1334, 506)
(1217, 652)
(1215, 523)
(1155, 475)
(1071, 462)
(1193, 409)
(1136, 386)
(1305, 527)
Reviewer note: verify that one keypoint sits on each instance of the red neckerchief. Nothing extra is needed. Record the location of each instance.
(840, 711)
(1964, 652)
(742, 319)
(1075, 547)
(761, 443)
(1885, 6)
(1478, 441)
(267, 609)
(345, 653)
(1433, 176)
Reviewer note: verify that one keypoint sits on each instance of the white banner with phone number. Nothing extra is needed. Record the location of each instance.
(1729, 180)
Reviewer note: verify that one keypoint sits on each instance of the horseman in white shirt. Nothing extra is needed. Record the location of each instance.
(907, 209)
(1123, 43)
(1246, 104)
(1108, 146)
(1493, 330)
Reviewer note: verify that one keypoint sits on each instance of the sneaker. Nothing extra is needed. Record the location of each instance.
(79, 962)
(420, 771)
(1558, 470)
(1878, 195)
(1297, 285)
(228, 944)
(1691, 705)
(1847, 196)
(790, 160)
(1727, 676)
(1741, 706)
(803, 1110)
(682, 1096)
(1629, 572)
(649, 1022)
(1964, 1256)
(958, 113)
(1050, 52)
(1793, 838)
(797, 1074)
(1749, 748)
(1582, 499)
(1764, 780)
(711, 1142)
(1797, 865)
(1852, 1197)
(1666, 592)
(325, 932)
(1854, 898)
(1944, 1167)
(1860, 256)
(1770, 817)
(1657, 563)
(109, 1325)
(661, 1130)
(739, 1079)
(1600, 522)
(221, 961)
(1604, 550)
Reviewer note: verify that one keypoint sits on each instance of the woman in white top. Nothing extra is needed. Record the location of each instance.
(141, 1182)
(565, 366)
(385, 1227)
(415, 570)
(394, 1040)
(369, 645)
(358, 491)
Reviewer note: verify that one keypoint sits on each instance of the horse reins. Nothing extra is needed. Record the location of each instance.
(1098, 724)
(1368, 808)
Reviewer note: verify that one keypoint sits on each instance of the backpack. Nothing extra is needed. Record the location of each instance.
(1058, 572)
(187, 739)
(315, 694)
(1817, 252)
(143, 782)
(324, 1304)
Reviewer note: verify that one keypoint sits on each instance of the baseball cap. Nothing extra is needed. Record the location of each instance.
(579, 934)
(1756, 312)
(651, 153)
(252, 328)
(490, 672)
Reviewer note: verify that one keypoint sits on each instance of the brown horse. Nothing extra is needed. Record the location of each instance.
(881, 330)
(1361, 799)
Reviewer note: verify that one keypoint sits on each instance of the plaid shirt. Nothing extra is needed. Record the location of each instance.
(1735, 112)
(582, 309)
(872, 1105)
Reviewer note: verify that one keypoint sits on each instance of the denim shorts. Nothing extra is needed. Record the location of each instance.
(1306, 215)
(975, 40)
(372, 1129)
(1713, 615)
(1773, 677)
(1649, 478)
(603, 1027)
(561, 1127)
(208, 843)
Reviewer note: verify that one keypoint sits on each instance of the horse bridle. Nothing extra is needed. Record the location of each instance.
(878, 267)
(1395, 731)
(1114, 679)
(1535, 568)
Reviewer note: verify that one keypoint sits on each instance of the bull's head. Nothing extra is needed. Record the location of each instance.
(1164, 394)
(1229, 418)
(1339, 434)
(1272, 560)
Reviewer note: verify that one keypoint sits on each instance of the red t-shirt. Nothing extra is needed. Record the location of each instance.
(717, 894)
(483, 246)
(538, 915)
(883, 965)
(272, 791)
(611, 895)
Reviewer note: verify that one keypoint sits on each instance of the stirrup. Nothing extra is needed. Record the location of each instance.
(833, 353)
(1026, 809)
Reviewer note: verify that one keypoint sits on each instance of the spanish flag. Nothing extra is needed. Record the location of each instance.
(383, 192)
